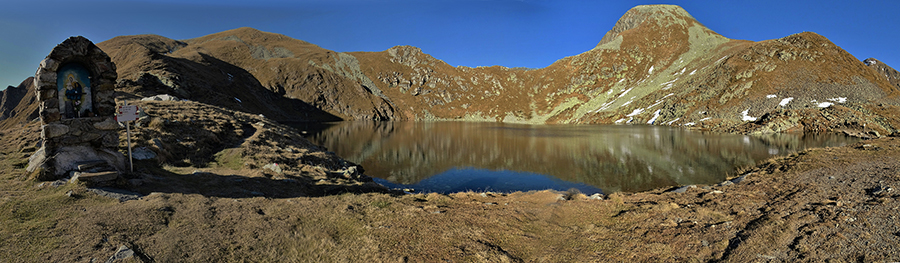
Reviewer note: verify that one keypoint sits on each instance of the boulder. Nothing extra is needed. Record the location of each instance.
(161, 97)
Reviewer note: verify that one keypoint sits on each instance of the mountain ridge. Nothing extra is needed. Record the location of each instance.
(657, 65)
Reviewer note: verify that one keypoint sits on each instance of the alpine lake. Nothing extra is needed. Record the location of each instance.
(448, 157)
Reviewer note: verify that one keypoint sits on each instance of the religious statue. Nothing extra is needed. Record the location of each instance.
(74, 93)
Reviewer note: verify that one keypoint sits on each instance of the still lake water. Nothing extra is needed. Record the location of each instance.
(448, 157)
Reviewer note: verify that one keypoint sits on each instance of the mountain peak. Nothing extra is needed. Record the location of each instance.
(663, 15)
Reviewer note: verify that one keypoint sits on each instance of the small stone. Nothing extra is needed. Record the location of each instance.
(726, 183)
(596, 196)
(161, 97)
(142, 153)
(684, 188)
(121, 254)
(70, 193)
(739, 179)
(274, 167)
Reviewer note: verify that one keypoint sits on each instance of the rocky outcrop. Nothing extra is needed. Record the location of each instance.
(11, 97)
(657, 65)
(890, 73)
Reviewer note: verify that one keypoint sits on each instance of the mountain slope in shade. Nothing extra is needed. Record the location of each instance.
(657, 65)
(18, 104)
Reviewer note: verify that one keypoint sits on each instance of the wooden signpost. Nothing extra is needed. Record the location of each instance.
(127, 113)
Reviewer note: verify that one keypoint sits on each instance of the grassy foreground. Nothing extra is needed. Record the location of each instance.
(824, 204)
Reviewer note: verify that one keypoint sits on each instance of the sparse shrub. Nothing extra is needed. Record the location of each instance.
(381, 204)
(157, 123)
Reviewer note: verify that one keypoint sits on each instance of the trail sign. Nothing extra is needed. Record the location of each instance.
(127, 113)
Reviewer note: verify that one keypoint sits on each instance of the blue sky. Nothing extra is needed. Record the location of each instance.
(512, 33)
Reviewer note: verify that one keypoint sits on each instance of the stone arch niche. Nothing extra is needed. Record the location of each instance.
(75, 86)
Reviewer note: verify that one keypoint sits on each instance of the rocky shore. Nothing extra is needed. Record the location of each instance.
(230, 186)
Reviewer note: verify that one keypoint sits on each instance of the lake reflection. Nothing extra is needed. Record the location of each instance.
(458, 156)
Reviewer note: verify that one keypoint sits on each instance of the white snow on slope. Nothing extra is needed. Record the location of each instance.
(785, 101)
(635, 112)
(771, 96)
(670, 122)
(655, 115)
(839, 99)
(745, 117)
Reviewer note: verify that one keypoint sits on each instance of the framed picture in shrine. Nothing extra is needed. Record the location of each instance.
(74, 91)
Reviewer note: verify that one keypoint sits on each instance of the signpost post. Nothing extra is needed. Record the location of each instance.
(127, 113)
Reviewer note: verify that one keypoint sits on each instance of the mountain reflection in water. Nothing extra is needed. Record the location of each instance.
(458, 156)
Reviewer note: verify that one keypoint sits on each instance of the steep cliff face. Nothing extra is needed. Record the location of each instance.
(657, 65)
(17, 104)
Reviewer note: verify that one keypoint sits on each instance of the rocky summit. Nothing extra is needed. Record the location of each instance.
(657, 65)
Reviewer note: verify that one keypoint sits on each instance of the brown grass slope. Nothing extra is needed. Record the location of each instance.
(248, 70)
(657, 65)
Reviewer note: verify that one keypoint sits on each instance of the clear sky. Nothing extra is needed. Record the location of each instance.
(511, 33)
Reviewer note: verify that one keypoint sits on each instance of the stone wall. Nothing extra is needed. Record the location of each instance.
(70, 140)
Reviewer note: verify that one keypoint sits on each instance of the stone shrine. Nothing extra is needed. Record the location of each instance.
(75, 86)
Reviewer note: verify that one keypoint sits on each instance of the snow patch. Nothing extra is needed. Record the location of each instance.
(717, 61)
(238, 100)
(635, 112)
(655, 115)
(619, 121)
(745, 117)
(629, 102)
(689, 124)
(668, 84)
(692, 72)
(839, 99)
(650, 71)
(670, 122)
(620, 81)
(824, 104)
(707, 118)
(785, 101)
(771, 96)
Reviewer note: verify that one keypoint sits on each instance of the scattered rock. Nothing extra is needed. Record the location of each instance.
(868, 147)
(274, 167)
(161, 97)
(739, 179)
(142, 153)
(121, 254)
(684, 188)
(121, 195)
